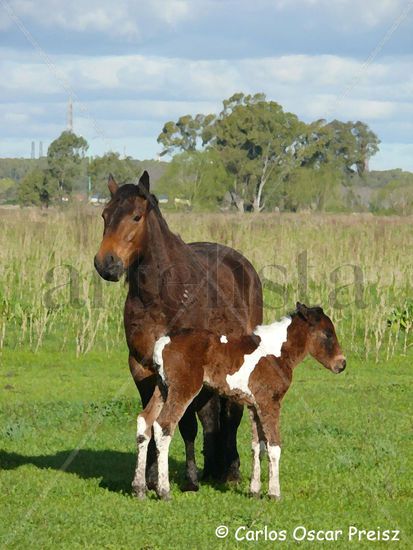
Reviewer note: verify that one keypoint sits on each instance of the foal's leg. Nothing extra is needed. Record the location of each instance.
(145, 381)
(143, 435)
(180, 395)
(270, 417)
(258, 441)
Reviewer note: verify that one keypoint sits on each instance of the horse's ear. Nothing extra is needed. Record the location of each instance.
(112, 185)
(302, 310)
(144, 181)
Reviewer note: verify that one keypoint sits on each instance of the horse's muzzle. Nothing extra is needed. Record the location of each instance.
(111, 268)
(339, 366)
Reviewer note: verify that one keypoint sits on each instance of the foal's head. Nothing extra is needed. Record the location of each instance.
(124, 227)
(322, 342)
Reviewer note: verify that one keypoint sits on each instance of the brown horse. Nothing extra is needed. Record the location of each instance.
(254, 370)
(174, 285)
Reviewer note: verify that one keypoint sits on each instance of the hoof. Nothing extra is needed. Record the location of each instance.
(164, 495)
(274, 497)
(255, 494)
(190, 486)
(233, 474)
(139, 492)
(151, 485)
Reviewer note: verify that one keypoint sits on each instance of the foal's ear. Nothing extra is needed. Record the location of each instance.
(144, 182)
(112, 185)
(302, 310)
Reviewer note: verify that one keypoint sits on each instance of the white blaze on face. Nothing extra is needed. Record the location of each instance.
(158, 355)
(272, 338)
(223, 339)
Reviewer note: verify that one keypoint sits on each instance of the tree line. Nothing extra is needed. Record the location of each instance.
(251, 156)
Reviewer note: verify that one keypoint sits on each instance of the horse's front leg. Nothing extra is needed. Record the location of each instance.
(188, 426)
(143, 435)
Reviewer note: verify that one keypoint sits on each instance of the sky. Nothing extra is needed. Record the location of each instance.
(132, 65)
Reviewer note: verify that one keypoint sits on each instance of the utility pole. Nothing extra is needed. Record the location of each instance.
(70, 115)
(33, 150)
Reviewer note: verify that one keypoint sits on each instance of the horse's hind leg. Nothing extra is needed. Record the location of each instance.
(143, 435)
(188, 427)
(230, 419)
(208, 407)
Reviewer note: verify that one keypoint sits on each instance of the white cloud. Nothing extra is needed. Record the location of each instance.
(125, 18)
(346, 13)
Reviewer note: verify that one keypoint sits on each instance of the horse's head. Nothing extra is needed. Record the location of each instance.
(322, 342)
(124, 231)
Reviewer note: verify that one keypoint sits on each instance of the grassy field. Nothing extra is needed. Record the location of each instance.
(68, 405)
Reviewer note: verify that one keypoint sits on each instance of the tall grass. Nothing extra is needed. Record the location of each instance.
(358, 267)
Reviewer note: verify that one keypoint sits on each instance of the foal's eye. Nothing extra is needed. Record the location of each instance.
(328, 334)
(137, 218)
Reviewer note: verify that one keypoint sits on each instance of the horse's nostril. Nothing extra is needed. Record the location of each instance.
(344, 364)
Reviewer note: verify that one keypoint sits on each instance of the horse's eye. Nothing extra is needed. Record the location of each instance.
(328, 334)
(136, 218)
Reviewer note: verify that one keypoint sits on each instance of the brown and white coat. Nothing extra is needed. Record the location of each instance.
(255, 370)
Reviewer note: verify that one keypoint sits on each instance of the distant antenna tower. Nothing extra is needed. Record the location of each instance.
(33, 150)
(70, 115)
(40, 149)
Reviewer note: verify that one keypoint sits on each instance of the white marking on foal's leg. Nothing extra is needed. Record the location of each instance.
(274, 453)
(139, 480)
(255, 485)
(162, 444)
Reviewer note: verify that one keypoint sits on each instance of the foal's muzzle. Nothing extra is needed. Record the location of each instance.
(111, 268)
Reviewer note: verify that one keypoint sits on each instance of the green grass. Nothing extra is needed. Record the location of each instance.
(68, 405)
(345, 459)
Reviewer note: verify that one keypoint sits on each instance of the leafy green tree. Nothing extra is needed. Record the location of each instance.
(367, 145)
(345, 145)
(315, 189)
(199, 177)
(37, 188)
(124, 170)
(256, 140)
(183, 135)
(64, 158)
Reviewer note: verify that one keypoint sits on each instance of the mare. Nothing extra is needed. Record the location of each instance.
(173, 285)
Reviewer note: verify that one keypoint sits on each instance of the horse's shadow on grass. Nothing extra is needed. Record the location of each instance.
(115, 468)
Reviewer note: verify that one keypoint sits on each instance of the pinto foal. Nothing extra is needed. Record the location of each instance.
(255, 370)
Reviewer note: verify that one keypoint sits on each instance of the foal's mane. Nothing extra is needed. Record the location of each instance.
(318, 310)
